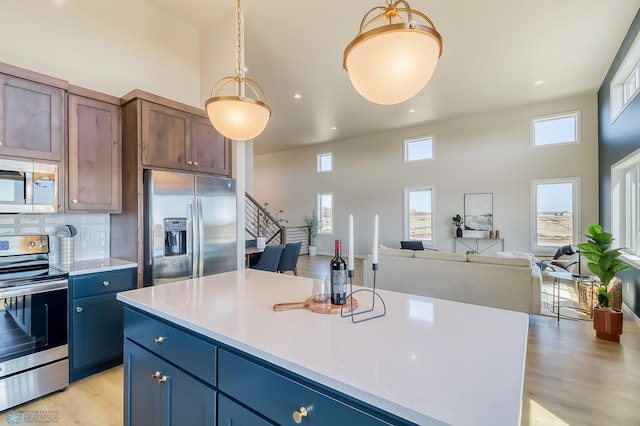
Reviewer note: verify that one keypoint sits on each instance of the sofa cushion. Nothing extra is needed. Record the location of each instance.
(395, 252)
(494, 260)
(440, 255)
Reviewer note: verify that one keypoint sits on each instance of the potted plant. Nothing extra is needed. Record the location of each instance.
(458, 221)
(604, 263)
(311, 229)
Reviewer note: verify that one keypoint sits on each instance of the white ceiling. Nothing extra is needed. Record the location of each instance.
(493, 52)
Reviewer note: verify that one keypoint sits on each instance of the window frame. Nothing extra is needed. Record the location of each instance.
(576, 214)
(406, 212)
(319, 210)
(618, 98)
(319, 158)
(408, 141)
(557, 116)
(625, 204)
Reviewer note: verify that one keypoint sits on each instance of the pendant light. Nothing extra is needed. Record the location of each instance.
(391, 63)
(236, 116)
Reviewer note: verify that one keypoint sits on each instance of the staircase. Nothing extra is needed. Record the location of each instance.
(259, 223)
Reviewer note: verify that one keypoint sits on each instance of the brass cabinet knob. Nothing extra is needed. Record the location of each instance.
(162, 379)
(299, 415)
(105, 283)
(74, 201)
(79, 309)
(189, 162)
(155, 375)
(158, 340)
(195, 163)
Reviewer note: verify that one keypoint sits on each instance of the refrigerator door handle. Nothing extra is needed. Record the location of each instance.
(195, 254)
(200, 238)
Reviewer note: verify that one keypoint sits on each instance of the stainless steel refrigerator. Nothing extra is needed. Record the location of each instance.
(190, 226)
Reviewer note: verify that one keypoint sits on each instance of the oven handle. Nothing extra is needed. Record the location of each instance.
(35, 288)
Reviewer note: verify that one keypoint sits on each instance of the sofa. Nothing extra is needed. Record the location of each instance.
(506, 283)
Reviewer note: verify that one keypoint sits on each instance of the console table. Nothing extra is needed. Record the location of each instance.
(474, 243)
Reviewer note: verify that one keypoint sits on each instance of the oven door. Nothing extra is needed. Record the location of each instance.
(33, 325)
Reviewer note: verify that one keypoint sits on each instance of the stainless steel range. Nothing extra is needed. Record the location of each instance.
(33, 321)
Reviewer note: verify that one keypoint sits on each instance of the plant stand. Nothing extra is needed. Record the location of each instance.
(608, 323)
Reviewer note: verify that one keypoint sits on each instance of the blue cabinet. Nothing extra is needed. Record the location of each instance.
(96, 321)
(233, 414)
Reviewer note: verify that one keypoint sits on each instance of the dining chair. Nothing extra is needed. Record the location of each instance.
(269, 259)
(289, 258)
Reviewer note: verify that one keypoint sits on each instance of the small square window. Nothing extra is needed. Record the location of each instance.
(418, 149)
(325, 162)
(555, 130)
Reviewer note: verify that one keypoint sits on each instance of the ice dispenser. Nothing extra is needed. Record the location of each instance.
(175, 236)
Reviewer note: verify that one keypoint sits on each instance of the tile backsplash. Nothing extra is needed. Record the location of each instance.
(91, 242)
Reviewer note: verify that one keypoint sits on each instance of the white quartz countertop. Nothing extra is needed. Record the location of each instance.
(429, 361)
(94, 265)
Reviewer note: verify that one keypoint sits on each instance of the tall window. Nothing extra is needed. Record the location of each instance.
(418, 217)
(625, 84)
(555, 213)
(418, 149)
(325, 162)
(555, 129)
(325, 209)
(625, 203)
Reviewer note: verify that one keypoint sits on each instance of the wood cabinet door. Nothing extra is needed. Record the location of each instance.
(31, 119)
(165, 132)
(210, 151)
(95, 156)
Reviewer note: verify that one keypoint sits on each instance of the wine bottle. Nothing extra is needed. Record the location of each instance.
(338, 277)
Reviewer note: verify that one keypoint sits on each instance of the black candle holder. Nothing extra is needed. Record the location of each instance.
(374, 295)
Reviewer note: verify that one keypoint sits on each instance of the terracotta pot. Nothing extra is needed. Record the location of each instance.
(608, 323)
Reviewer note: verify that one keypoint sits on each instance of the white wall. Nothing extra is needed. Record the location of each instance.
(487, 152)
(110, 46)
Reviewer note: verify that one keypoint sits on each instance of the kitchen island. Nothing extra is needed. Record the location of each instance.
(427, 361)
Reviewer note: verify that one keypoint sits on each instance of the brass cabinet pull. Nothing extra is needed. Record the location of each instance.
(158, 340)
(155, 375)
(79, 309)
(105, 283)
(299, 415)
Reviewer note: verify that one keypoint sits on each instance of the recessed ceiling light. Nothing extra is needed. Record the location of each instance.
(538, 83)
(297, 96)
(334, 128)
(412, 110)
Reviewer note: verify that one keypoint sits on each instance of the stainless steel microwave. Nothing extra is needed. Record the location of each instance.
(28, 187)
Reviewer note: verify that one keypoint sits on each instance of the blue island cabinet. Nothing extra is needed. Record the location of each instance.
(174, 376)
(96, 321)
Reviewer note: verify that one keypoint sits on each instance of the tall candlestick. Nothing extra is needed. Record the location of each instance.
(350, 260)
(375, 239)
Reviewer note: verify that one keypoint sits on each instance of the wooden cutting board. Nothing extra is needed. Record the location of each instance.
(318, 307)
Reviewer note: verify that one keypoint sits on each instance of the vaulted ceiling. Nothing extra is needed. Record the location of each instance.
(494, 51)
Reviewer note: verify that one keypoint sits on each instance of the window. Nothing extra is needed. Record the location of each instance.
(325, 207)
(555, 129)
(625, 203)
(625, 84)
(325, 162)
(418, 218)
(555, 213)
(418, 149)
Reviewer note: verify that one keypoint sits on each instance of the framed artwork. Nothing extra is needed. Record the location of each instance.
(478, 213)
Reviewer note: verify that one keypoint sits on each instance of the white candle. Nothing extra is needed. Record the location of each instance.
(350, 260)
(375, 239)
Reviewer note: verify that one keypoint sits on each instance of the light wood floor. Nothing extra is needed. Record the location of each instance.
(571, 378)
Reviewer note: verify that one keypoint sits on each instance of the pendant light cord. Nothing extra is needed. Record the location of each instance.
(238, 38)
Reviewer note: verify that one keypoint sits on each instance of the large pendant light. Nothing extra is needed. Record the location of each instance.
(391, 63)
(236, 116)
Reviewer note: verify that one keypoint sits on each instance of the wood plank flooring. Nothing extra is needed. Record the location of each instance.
(571, 378)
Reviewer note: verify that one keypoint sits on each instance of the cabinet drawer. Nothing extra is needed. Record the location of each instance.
(277, 397)
(103, 282)
(191, 353)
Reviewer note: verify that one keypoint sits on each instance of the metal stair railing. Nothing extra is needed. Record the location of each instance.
(259, 223)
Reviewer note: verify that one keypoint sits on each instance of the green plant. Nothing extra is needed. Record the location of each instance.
(457, 220)
(603, 261)
(312, 224)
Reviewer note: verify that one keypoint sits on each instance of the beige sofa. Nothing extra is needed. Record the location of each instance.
(505, 283)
